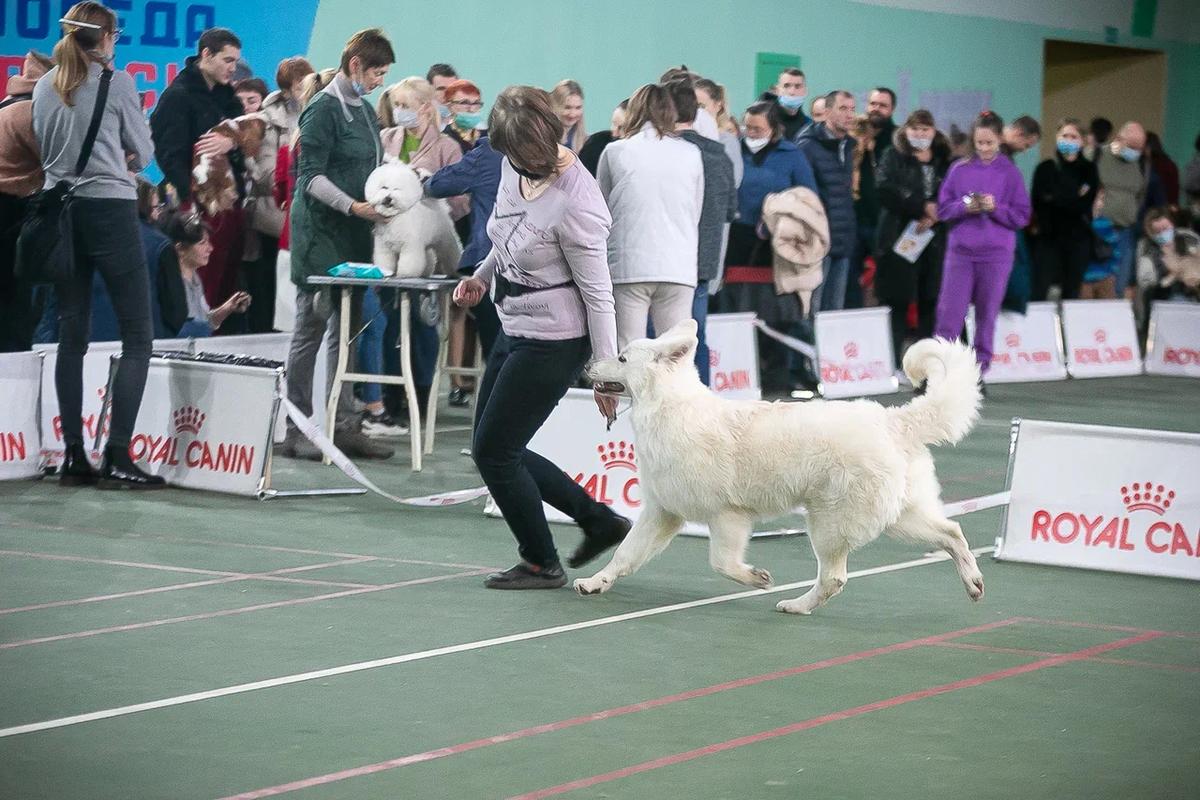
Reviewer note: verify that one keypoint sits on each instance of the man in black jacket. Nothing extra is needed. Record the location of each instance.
(830, 149)
(200, 97)
(881, 104)
(789, 94)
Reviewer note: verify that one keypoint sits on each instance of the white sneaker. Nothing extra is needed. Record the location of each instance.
(381, 425)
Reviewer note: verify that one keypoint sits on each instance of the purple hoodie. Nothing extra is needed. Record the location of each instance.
(991, 233)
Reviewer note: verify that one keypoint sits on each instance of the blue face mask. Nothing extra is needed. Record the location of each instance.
(1164, 238)
(405, 118)
(1129, 154)
(791, 103)
(1068, 147)
(469, 120)
(444, 112)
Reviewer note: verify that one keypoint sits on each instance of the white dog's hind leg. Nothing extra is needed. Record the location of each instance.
(921, 525)
(652, 532)
(831, 549)
(728, 537)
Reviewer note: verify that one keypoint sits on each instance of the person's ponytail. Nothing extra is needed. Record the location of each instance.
(84, 28)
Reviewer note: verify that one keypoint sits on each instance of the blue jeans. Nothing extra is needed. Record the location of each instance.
(700, 314)
(370, 344)
(833, 287)
(1127, 252)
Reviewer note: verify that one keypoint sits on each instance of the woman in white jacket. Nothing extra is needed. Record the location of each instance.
(653, 182)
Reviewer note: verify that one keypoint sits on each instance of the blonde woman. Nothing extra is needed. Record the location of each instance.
(567, 100)
(711, 97)
(410, 128)
(107, 238)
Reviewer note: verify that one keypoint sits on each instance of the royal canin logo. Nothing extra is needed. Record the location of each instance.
(1162, 537)
(850, 349)
(616, 455)
(1100, 335)
(188, 419)
(1012, 340)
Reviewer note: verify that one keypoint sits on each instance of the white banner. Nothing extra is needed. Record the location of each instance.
(95, 382)
(20, 438)
(854, 349)
(206, 426)
(1174, 345)
(1026, 347)
(275, 346)
(733, 356)
(1117, 499)
(1101, 338)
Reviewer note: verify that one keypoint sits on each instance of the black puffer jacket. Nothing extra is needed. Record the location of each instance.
(185, 112)
(832, 162)
(900, 183)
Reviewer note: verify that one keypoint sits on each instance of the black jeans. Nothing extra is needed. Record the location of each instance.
(17, 319)
(107, 240)
(260, 283)
(524, 381)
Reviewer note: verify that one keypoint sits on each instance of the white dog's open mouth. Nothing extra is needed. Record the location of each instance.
(609, 387)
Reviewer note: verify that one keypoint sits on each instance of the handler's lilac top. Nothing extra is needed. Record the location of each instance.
(560, 236)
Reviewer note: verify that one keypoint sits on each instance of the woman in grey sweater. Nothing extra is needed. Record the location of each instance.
(107, 240)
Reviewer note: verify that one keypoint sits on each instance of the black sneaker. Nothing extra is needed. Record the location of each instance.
(459, 397)
(382, 425)
(598, 537)
(528, 576)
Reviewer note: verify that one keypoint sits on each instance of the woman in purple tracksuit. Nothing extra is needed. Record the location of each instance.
(984, 202)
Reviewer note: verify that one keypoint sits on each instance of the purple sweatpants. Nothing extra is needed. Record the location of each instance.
(967, 281)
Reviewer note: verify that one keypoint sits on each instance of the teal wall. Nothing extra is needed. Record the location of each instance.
(613, 46)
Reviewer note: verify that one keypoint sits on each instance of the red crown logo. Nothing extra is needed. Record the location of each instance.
(1012, 340)
(850, 349)
(1147, 497)
(714, 357)
(1101, 336)
(188, 419)
(617, 454)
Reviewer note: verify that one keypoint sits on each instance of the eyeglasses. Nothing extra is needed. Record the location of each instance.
(474, 105)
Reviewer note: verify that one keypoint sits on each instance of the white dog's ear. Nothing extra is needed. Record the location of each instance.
(683, 329)
(388, 158)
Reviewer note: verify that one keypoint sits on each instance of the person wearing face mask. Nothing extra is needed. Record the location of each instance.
(466, 121)
(983, 203)
(908, 179)
(440, 76)
(1125, 178)
(106, 235)
(1064, 190)
(332, 223)
(1160, 257)
(770, 164)
(790, 91)
(548, 272)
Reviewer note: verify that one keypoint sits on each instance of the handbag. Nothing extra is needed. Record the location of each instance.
(45, 245)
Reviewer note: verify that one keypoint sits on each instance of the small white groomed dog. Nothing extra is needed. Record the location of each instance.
(418, 238)
(859, 468)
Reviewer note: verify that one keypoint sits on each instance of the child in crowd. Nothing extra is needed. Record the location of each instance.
(1100, 276)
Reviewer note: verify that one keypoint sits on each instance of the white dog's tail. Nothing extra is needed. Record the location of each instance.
(947, 410)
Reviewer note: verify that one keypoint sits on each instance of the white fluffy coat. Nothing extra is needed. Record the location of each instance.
(418, 238)
(859, 469)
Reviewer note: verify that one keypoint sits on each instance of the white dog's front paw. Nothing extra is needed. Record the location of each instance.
(797, 606)
(760, 578)
(592, 585)
(974, 587)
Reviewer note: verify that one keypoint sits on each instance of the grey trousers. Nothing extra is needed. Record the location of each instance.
(316, 313)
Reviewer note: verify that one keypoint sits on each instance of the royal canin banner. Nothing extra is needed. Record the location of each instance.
(95, 383)
(854, 351)
(733, 356)
(1101, 338)
(1174, 346)
(1027, 347)
(206, 426)
(1117, 499)
(20, 437)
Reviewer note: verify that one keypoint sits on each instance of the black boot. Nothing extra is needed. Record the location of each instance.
(527, 576)
(117, 471)
(76, 470)
(599, 535)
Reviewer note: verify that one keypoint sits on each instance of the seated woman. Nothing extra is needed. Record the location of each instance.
(179, 291)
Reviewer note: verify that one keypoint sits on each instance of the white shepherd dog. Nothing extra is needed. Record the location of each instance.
(859, 468)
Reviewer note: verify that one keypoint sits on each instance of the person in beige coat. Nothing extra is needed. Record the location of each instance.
(799, 240)
(410, 129)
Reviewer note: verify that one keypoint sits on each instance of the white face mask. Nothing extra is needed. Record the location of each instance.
(754, 145)
(920, 142)
(406, 118)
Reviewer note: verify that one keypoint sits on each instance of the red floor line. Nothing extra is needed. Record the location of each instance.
(195, 585)
(1124, 662)
(228, 612)
(837, 716)
(1099, 626)
(550, 727)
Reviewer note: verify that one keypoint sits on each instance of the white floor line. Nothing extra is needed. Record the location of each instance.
(345, 669)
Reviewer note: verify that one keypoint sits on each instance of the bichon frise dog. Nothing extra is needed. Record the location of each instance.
(857, 467)
(418, 238)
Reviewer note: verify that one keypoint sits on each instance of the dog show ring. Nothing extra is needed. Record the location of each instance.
(440, 288)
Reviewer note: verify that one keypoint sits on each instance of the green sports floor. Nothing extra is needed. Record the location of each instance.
(190, 645)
